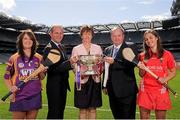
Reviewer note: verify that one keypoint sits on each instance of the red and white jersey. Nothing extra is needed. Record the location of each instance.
(159, 66)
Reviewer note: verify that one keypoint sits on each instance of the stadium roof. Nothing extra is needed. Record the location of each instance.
(17, 24)
(175, 8)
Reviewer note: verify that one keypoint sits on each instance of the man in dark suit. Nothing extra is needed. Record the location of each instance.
(57, 75)
(121, 84)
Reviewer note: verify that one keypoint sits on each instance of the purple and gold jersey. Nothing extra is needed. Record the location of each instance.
(17, 70)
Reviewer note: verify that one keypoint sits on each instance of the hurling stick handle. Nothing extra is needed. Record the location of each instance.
(172, 91)
(6, 96)
(150, 72)
(20, 84)
(36, 72)
(164, 84)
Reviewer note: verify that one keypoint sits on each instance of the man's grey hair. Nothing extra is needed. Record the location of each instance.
(54, 26)
(115, 28)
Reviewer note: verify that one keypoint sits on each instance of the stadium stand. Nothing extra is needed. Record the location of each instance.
(4, 57)
(10, 28)
(170, 40)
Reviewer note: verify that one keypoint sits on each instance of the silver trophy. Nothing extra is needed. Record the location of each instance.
(90, 61)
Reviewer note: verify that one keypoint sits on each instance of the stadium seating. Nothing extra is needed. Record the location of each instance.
(170, 41)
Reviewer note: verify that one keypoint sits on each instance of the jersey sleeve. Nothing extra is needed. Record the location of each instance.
(9, 69)
(170, 60)
(141, 57)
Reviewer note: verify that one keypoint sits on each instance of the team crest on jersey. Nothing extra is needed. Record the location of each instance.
(20, 65)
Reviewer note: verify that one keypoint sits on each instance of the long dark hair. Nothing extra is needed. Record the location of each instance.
(19, 44)
(160, 49)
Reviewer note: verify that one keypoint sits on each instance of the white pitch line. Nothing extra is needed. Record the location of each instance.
(72, 107)
(99, 109)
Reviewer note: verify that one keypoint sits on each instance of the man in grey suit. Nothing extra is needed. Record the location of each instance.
(121, 84)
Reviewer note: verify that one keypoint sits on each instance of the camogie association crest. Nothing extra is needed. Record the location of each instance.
(21, 65)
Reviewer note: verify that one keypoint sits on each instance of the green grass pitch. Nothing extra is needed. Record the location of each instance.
(72, 113)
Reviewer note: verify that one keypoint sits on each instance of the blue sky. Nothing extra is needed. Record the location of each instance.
(78, 12)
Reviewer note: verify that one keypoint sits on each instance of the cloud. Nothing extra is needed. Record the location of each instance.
(122, 8)
(146, 2)
(154, 17)
(127, 21)
(7, 5)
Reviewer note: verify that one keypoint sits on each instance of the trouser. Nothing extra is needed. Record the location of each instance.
(56, 95)
(122, 107)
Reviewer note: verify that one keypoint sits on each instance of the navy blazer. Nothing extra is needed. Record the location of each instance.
(58, 72)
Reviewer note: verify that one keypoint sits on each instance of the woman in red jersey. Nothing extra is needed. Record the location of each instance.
(152, 94)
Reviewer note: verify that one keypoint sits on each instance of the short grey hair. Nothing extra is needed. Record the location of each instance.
(54, 26)
(116, 28)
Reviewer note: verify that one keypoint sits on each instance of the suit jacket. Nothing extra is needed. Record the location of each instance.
(121, 73)
(58, 72)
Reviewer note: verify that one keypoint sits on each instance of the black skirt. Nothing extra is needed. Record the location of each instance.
(89, 95)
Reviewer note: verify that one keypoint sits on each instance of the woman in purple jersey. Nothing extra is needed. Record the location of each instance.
(26, 101)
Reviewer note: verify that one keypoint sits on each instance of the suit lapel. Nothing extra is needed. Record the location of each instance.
(61, 51)
(54, 45)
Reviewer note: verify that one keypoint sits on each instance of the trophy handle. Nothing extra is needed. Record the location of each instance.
(78, 76)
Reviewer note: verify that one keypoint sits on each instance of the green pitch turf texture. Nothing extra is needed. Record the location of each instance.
(72, 113)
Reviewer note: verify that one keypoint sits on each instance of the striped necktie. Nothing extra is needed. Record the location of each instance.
(115, 52)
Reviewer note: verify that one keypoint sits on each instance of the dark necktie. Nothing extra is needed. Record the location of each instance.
(62, 50)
